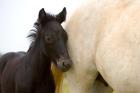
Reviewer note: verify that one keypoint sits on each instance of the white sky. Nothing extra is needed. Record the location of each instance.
(18, 16)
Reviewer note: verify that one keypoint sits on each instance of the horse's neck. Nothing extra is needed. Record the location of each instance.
(40, 64)
(40, 67)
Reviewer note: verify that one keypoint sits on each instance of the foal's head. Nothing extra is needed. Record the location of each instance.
(52, 38)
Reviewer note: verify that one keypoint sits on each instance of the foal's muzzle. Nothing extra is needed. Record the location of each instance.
(64, 64)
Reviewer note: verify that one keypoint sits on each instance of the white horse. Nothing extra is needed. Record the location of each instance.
(104, 36)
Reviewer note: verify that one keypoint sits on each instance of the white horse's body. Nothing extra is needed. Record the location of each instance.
(104, 36)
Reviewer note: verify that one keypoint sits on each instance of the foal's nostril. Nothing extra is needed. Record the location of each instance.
(67, 64)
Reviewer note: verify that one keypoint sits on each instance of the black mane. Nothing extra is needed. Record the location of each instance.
(35, 33)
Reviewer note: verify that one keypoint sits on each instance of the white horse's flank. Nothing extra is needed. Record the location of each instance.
(104, 36)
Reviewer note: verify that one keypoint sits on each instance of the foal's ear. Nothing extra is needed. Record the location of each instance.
(42, 16)
(62, 15)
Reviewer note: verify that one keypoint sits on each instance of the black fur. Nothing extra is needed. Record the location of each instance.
(30, 72)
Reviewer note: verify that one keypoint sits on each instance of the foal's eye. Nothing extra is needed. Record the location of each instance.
(48, 40)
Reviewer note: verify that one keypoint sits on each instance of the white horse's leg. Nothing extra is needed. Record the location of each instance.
(74, 86)
(100, 87)
(81, 79)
